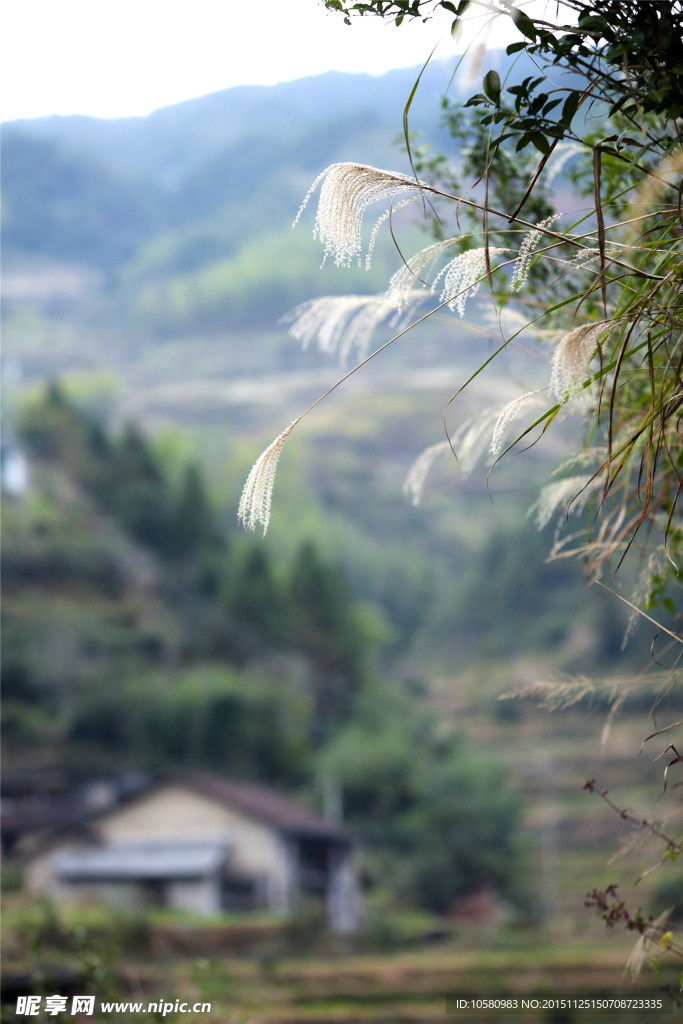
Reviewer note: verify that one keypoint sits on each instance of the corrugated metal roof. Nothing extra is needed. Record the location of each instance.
(118, 861)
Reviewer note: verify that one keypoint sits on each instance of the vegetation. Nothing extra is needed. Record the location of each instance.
(604, 284)
(139, 632)
(143, 630)
(131, 959)
(616, 268)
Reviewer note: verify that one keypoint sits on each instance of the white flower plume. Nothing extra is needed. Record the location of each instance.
(526, 252)
(472, 438)
(462, 277)
(573, 489)
(510, 413)
(339, 322)
(346, 190)
(572, 358)
(257, 494)
(468, 444)
(414, 484)
(408, 278)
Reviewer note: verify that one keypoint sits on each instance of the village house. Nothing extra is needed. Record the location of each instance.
(204, 844)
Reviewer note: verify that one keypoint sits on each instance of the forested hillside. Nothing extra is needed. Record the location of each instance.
(139, 633)
(147, 265)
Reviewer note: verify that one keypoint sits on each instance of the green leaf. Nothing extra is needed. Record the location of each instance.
(524, 24)
(492, 86)
(550, 106)
(539, 140)
(514, 48)
(570, 107)
(474, 101)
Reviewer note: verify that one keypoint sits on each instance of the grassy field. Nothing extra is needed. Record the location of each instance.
(269, 973)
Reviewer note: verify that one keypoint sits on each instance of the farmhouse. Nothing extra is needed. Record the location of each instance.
(205, 844)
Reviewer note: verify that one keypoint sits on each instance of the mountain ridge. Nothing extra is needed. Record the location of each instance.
(123, 142)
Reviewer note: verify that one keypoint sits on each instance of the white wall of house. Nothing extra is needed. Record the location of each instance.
(176, 812)
(39, 876)
(202, 896)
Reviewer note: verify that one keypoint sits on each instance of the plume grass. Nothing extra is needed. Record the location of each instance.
(346, 190)
(257, 494)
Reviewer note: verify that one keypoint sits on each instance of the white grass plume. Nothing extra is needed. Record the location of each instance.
(346, 189)
(573, 356)
(254, 506)
(554, 695)
(508, 320)
(653, 569)
(587, 258)
(414, 483)
(593, 456)
(462, 277)
(339, 322)
(378, 223)
(559, 494)
(565, 152)
(642, 951)
(472, 438)
(510, 413)
(526, 252)
(408, 278)
(468, 443)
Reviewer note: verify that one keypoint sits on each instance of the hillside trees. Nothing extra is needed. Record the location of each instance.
(127, 646)
(130, 611)
(120, 210)
(431, 810)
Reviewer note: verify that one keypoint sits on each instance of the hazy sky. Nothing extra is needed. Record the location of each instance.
(113, 58)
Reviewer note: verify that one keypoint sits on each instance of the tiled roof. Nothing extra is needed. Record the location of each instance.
(252, 799)
(267, 805)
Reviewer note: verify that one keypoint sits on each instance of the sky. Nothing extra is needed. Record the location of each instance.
(117, 58)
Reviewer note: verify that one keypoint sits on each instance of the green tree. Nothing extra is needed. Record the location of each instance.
(436, 816)
(257, 605)
(138, 492)
(325, 629)
(244, 723)
(194, 521)
(56, 430)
